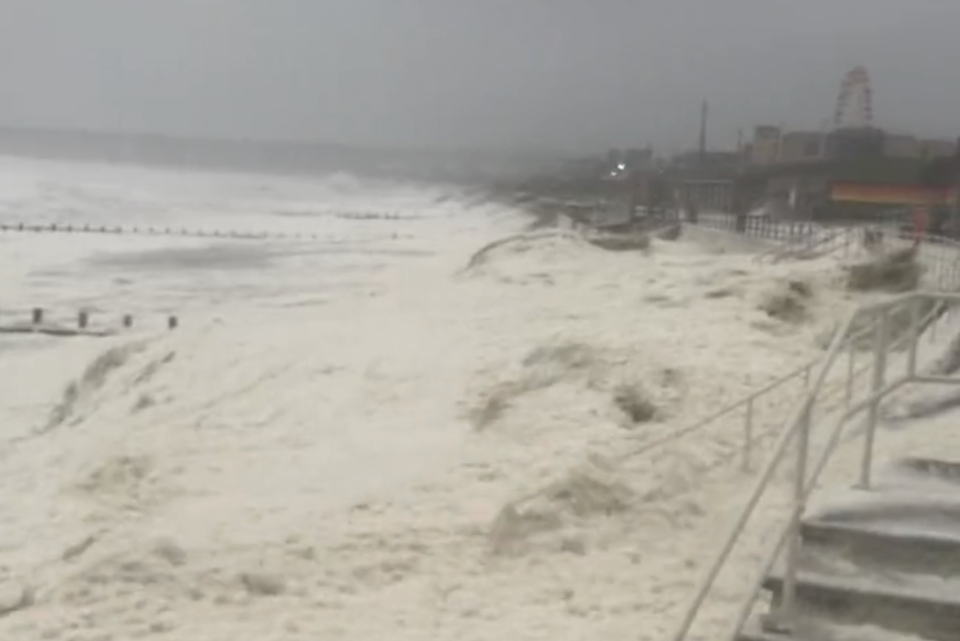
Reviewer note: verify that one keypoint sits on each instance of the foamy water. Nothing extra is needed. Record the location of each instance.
(326, 447)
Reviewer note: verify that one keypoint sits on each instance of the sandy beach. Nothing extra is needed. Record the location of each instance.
(325, 447)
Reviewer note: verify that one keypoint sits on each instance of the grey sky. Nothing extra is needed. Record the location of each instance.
(498, 73)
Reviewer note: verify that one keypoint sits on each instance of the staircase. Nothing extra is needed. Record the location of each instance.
(884, 567)
(877, 563)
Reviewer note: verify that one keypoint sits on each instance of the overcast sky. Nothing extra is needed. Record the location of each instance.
(551, 74)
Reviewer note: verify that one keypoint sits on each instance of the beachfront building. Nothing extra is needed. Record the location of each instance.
(849, 174)
(855, 189)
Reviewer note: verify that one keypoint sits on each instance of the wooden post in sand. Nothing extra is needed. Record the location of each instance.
(37, 316)
(172, 322)
(83, 319)
(127, 321)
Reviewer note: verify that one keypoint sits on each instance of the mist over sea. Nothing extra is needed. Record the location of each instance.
(459, 166)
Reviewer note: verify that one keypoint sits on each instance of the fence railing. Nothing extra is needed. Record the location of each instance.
(922, 309)
(761, 227)
(940, 255)
(819, 243)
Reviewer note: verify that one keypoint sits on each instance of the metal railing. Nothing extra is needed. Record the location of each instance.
(748, 405)
(944, 274)
(939, 254)
(819, 242)
(762, 227)
(923, 310)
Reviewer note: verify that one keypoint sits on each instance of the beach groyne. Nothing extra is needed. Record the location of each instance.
(167, 230)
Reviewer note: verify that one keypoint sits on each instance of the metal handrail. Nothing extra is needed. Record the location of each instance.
(709, 221)
(745, 401)
(723, 411)
(760, 485)
(750, 399)
(817, 240)
(811, 484)
(799, 426)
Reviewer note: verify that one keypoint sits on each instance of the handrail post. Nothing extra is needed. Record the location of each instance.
(747, 435)
(933, 329)
(783, 618)
(873, 411)
(916, 313)
(851, 363)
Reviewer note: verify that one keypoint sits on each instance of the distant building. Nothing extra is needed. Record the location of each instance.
(937, 148)
(796, 146)
(901, 146)
(772, 145)
(765, 145)
(854, 143)
(853, 187)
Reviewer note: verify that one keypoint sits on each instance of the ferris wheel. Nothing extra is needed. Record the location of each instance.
(855, 101)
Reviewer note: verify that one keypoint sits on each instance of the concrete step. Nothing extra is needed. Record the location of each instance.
(922, 509)
(920, 474)
(923, 608)
(923, 554)
(814, 631)
(755, 632)
(908, 530)
(878, 565)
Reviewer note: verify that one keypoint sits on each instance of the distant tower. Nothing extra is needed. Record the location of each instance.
(703, 133)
